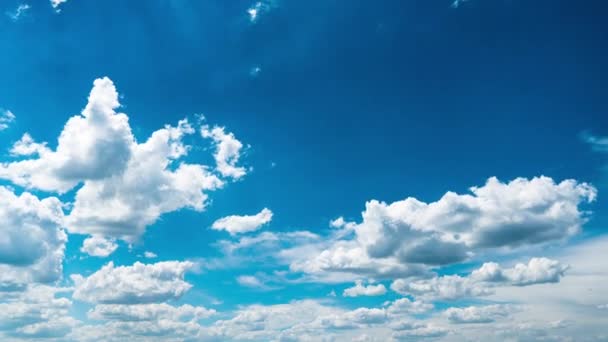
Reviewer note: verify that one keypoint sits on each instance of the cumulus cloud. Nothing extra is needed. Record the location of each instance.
(126, 185)
(98, 246)
(26, 146)
(32, 243)
(361, 290)
(411, 235)
(136, 284)
(481, 282)
(243, 224)
(537, 271)
(93, 145)
(227, 152)
(478, 314)
(37, 312)
(6, 117)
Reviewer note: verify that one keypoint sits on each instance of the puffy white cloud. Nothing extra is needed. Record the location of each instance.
(410, 236)
(93, 145)
(478, 314)
(36, 313)
(126, 185)
(150, 255)
(6, 117)
(235, 224)
(26, 146)
(136, 284)
(227, 153)
(98, 246)
(361, 290)
(403, 306)
(123, 205)
(481, 282)
(537, 271)
(32, 242)
(444, 288)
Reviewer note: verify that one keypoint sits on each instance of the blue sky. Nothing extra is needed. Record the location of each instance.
(319, 170)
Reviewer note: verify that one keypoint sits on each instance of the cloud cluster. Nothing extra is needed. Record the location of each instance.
(361, 290)
(6, 117)
(33, 241)
(136, 284)
(482, 281)
(35, 313)
(478, 314)
(125, 185)
(409, 236)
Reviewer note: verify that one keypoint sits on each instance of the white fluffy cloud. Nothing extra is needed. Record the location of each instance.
(98, 246)
(478, 314)
(482, 281)
(537, 271)
(126, 185)
(227, 152)
(6, 117)
(32, 242)
(361, 290)
(137, 284)
(243, 224)
(36, 313)
(93, 145)
(410, 236)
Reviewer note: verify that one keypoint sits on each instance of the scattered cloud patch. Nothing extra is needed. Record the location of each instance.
(597, 143)
(478, 314)
(56, 4)
(15, 15)
(227, 153)
(243, 224)
(361, 290)
(482, 281)
(33, 240)
(136, 284)
(150, 255)
(98, 246)
(6, 118)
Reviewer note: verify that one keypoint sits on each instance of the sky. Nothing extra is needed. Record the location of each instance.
(276, 170)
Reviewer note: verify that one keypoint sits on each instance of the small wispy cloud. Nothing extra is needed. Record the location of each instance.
(18, 12)
(457, 3)
(259, 8)
(597, 143)
(57, 3)
(6, 117)
(255, 71)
